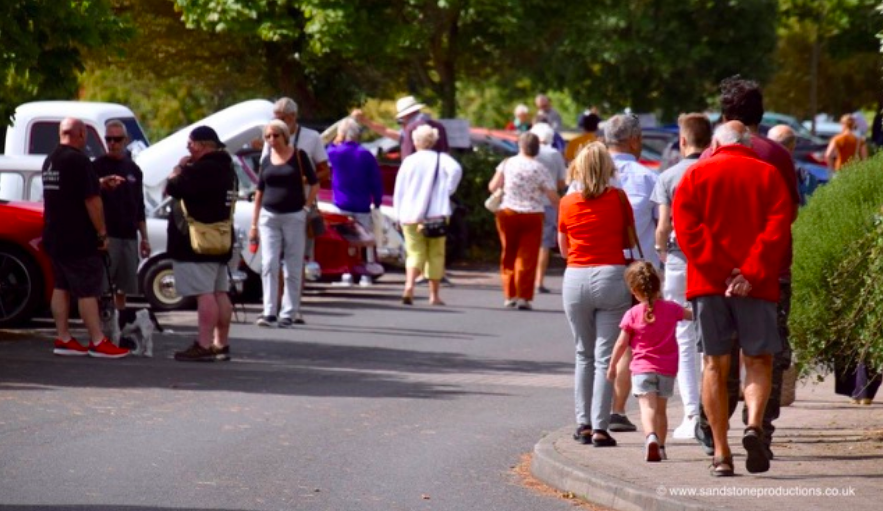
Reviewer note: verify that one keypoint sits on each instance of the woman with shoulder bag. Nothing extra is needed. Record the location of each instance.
(525, 182)
(422, 204)
(279, 221)
(592, 227)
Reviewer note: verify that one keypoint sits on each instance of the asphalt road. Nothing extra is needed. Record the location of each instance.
(370, 406)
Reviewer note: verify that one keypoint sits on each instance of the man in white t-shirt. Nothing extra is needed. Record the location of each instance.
(302, 138)
(550, 158)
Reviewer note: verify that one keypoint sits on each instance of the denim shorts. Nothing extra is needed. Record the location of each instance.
(648, 383)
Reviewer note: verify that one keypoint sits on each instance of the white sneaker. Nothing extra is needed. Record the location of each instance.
(687, 429)
(365, 281)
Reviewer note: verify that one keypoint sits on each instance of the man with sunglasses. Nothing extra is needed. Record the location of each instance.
(122, 191)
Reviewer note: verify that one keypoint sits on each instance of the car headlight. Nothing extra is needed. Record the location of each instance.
(312, 271)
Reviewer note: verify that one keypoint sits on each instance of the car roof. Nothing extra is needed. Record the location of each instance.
(80, 109)
(22, 163)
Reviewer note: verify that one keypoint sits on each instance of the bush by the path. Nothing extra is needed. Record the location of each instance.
(837, 304)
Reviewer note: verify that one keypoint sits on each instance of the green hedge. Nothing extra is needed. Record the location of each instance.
(837, 304)
(479, 166)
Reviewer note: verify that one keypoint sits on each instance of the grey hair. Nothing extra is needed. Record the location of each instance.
(619, 129)
(277, 126)
(116, 123)
(522, 109)
(348, 129)
(727, 135)
(285, 106)
(544, 132)
(424, 137)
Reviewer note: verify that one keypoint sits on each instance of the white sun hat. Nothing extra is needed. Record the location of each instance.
(407, 105)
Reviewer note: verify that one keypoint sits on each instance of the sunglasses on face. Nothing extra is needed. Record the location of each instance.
(270, 136)
(115, 140)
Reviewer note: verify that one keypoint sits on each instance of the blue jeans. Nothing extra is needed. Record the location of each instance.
(595, 299)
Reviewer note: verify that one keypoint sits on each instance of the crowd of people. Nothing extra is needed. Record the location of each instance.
(660, 271)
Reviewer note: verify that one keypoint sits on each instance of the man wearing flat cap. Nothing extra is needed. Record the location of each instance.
(409, 116)
(204, 183)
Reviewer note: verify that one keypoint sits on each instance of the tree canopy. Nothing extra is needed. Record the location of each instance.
(42, 44)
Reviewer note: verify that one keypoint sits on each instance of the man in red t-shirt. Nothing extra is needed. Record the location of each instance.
(733, 222)
(742, 100)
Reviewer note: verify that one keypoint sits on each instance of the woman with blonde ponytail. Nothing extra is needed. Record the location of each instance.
(649, 329)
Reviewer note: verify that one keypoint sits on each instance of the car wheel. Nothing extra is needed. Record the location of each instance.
(20, 286)
(159, 287)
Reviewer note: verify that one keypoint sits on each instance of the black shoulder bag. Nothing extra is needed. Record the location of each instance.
(436, 228)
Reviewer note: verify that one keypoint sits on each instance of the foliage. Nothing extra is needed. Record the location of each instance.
(424, 46)
(849, 59)
(169, 75)
(666, 55)
(837, 267)
(42, 44)
(479, 166)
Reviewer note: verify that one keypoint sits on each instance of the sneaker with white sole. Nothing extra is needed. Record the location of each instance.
(510, 303)
(523, 305)
(651, 449)
(687, 429)
(70, 348)
(266, 321)
(106, 349)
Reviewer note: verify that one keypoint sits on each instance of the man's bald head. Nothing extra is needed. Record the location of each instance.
(784, 135)
(731, 133)
(72, 132)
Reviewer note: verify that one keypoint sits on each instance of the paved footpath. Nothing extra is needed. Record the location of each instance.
(828, 455)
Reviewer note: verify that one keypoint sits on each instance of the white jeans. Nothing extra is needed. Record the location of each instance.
(282, 236)
(675, 290)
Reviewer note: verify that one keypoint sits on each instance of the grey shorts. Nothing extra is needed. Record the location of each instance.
(82, 278)
(751, 323)
(550, 227)
(194, 279)
(649, 383)
(123, 264)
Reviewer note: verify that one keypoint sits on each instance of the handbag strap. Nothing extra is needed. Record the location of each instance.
(434, 181)
(629, 233)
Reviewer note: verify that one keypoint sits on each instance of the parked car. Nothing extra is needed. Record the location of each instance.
(35, 126)
(25, 270)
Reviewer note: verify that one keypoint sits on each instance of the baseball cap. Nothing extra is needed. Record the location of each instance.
(206, 134)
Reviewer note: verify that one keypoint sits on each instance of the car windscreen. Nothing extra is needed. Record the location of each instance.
(44, 139)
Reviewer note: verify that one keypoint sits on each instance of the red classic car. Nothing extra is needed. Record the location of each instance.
(25, 270)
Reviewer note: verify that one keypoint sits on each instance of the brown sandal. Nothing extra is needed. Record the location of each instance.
(722, 466)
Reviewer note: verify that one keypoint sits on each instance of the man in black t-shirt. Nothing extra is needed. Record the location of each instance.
(74, 236)
(205, 183)
(122, 192)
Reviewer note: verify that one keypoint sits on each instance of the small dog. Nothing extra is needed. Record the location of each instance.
(136, 331)
(129, 328)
